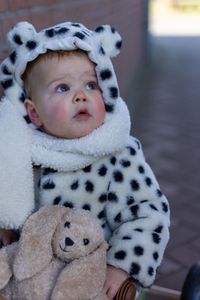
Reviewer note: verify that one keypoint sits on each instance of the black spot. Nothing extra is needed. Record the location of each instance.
(101, 50)
(62, 30)
(57, 200)
(155, 256)
(144, 201)
(165, 207)
(138, 144)
(47, 171)
(27, 119)
(138, 250)
(118, 218)
(39, 182)
(5, 70)
(17, 39)
(68, 204)
(48, 185)
(159, 193)
(103, 198)
(138, 229)
(109, 108)
(7, 83)
(75, 24)
(156, 238)
(118, 45)
(105, 74)
(118, 176)
(22, 97)
(150, 271)
(89, 186)
(112, 197)
(99, 29)
(13, 57)
(113, 30)
(125, 163)
(86, 207)
(148, 181)
(67, 224)
(135, 269)
(132, 150)
(102, 171)
(134, 185)
(74, 185)
(50, 32)
(86, 242)
(120, 254)
(87, 169)
(113, 92)
(126, 237)
(31, 45)
(85, 32)
(101, 214)
(113, 160)
(130, 200)
(141, 169)
(79, 35)
(134, 210)
(153, 207)
(159, 229)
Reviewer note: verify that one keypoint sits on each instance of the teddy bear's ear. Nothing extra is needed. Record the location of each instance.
(35, 250)
(109, 40)
(5, 270)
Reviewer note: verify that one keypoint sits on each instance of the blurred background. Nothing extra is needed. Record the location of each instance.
(159, 72)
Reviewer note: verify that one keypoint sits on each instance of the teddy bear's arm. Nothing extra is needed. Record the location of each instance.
(5, 270)
(82, 278)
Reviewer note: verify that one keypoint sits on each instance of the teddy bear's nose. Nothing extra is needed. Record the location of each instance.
(68, 242)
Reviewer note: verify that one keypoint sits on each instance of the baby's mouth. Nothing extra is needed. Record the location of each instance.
(82, 115)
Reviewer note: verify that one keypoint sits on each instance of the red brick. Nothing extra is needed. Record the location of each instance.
(3, 5)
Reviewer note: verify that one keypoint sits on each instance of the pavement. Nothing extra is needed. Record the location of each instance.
(165, 111)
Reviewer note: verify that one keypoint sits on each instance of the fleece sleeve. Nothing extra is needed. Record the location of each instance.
(138, 215)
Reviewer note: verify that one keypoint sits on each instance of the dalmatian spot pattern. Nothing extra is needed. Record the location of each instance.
(114, 188)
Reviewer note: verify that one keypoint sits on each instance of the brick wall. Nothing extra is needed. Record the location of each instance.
(127, 16)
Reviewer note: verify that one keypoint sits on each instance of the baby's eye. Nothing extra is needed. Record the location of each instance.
(62, 88)
(92, 85)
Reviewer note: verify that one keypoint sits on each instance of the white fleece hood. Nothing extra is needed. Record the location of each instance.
(22, 145)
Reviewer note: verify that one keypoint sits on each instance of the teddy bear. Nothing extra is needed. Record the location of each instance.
(61, 255)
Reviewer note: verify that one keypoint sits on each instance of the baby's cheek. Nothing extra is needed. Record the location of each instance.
(59, 113)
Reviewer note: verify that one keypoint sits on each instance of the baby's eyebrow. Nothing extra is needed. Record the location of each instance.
(60, 78)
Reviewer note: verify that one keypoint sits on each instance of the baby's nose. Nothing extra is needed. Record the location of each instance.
(80, 97)
(68, 242)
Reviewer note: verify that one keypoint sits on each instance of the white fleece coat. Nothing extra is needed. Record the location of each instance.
(104, 172)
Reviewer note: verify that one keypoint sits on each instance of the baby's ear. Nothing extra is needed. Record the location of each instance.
(35, 251)
(109, 39)
(32, 112)
(20, 34)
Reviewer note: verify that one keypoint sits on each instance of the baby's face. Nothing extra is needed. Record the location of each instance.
(66, 97)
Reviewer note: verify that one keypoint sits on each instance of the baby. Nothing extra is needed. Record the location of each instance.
(81, 152)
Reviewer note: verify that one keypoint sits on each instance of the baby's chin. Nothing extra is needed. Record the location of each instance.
(82, 133)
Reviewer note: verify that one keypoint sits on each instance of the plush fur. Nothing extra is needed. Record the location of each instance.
(61, 255)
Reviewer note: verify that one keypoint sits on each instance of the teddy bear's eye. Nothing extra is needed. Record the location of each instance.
(85, 242)
(67, 224)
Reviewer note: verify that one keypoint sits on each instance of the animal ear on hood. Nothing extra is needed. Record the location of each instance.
(21, 34)
(34, 250)
(109, 39)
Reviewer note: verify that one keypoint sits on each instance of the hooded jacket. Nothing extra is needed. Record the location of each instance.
(104, 172)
